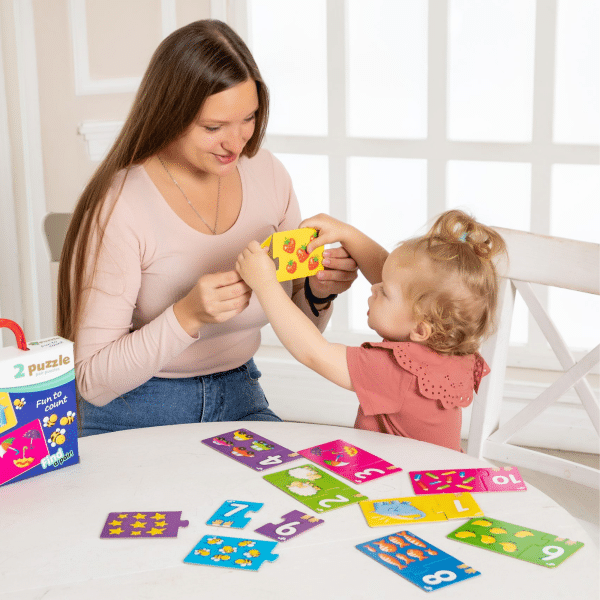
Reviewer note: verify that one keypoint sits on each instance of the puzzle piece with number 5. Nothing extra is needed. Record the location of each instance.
(233, 513)
(418, 561)
(449, 481)
(514, 540)
(419, 509)
(233, 553)
(313, 487)
(288, 250)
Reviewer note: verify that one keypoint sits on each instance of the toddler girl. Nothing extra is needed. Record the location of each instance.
(433, 302)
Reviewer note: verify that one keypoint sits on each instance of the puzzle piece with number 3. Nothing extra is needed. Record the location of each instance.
(313, 487)
(419, 509)
(449, 481)
(514, 540)
(418, 561)
(234, 514)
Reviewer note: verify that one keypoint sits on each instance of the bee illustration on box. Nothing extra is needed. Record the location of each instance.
(288, 250)
(57, 437)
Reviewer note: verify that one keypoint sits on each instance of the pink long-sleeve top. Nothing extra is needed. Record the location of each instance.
(149, 260)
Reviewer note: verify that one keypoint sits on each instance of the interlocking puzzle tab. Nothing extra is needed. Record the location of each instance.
(233, 513)
(288, 250)
(418, 561)
(520, 542)
(293, 524)
(138, 524)
(233, 553)
(419, 509)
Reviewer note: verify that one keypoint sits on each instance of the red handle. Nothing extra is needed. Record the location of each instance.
(16, 329)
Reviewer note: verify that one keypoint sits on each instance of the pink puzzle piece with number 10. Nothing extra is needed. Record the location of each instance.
(450, 481)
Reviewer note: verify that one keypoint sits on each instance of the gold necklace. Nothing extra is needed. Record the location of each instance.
(214, 231)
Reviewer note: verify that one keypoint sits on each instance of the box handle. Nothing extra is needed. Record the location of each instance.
(16, 329)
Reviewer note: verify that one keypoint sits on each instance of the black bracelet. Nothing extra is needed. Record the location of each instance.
(312, 299)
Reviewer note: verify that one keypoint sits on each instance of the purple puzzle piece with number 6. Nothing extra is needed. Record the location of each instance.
(251, 449)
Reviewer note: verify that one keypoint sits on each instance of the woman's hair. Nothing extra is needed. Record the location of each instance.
(193, 63)
(456, 288)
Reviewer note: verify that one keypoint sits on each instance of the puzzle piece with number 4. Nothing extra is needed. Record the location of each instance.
(449, 481)
(233, 553)
(233, 513)
(419, 509)
(514, 540)
(418, 561)
(313, 487)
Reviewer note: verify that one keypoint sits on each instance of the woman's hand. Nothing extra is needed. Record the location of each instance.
(216, 298)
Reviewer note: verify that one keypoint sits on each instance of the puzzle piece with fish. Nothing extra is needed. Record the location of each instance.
(251, 449)
(288, 250)
(349, 461)
(234, 514)
(293, 524)
(233, 553)
(451, 481)
(159, 524)
(418, 561)
(313, 487)
(419, 509)
(520, 542)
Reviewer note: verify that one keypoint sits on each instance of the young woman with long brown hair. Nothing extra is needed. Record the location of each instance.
(164, 327)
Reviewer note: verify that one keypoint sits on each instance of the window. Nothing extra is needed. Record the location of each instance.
(388, 112)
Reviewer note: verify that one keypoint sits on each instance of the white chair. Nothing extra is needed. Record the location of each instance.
(536, 259)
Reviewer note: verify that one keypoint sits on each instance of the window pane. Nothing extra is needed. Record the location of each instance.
(490, 79)
(387, 200)
(310, 177)
(288, 40)
(577, 90)
(577, 317)
(387, 68)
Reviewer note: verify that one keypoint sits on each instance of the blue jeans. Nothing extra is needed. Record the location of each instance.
(233, 395)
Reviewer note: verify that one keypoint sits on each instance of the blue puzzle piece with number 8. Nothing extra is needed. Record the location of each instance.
(233, 513)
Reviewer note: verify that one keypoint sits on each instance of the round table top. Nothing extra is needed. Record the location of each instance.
(50, 525)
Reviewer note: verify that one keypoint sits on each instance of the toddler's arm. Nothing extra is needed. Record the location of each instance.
(295, 330)
(367, 253)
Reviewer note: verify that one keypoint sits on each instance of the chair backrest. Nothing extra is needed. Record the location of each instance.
(556, 262)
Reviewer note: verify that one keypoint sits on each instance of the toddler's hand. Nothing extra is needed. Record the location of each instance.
(255, 266)
(330, 230)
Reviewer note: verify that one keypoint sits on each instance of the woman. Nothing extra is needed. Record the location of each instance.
(164, 327)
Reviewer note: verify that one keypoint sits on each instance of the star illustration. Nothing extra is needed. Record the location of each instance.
(139, 516)
(136, 533)
(155, 531)
(161, 523)
(116, 531)
(123, 516)
(159, 516)
(114, 522)
(139, 525)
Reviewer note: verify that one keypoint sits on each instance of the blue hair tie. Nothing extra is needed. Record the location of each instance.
(463, 237)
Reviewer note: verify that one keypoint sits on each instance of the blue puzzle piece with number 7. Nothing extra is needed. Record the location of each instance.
(233, 513)
(233, 553)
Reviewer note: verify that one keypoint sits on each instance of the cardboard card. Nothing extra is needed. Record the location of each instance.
(21, 450)
(288, 250)
(349, 461)
(234, 513)
(160, 524)
(316, 489)
(453, 481)
(417, 561)
(251, 449)
(233, 553)
(517, 541)
(419, 509)
(293, 524)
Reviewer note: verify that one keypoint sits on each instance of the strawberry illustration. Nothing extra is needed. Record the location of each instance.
(313, 263)
(302, 253)
(313, 236)
(291, 266)
(289, 244)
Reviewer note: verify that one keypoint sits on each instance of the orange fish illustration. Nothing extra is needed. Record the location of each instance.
(390, 560)
(370, 549)
(404, 559)
(413, 540)
(385, 546)
(416, 554)
(430, 551)
(398, 540)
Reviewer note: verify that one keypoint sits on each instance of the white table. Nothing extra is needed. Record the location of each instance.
(50, 525)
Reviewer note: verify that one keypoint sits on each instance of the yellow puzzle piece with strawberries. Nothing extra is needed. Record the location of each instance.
(288, 250)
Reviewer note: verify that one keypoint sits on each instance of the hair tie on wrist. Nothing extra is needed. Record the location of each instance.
(312, 299)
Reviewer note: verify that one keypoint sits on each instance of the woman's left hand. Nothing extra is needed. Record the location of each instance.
(339, 274)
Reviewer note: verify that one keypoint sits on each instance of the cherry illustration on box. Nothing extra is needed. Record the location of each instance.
(288, 250)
